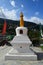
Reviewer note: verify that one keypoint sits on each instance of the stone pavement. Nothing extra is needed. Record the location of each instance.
(37, 49)
(5, 49)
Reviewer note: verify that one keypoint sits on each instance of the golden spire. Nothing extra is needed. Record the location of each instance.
(21, 20)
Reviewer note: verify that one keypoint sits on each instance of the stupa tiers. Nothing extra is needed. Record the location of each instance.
(21, 44)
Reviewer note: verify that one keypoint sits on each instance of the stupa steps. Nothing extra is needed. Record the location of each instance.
(21, 57)
(20, 39)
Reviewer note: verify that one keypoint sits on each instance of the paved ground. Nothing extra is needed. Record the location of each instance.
(5, 49)
(37, 49)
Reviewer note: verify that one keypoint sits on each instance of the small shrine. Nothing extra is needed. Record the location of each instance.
(21, 44)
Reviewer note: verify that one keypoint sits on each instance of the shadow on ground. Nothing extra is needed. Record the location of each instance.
(5, 42)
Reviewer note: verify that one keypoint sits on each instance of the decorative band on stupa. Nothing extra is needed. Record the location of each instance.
(21, 20)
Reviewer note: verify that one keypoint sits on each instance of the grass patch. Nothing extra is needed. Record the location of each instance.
(41, 47)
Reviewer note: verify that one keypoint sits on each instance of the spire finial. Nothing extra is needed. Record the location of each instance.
(21, 14)
(21, 20)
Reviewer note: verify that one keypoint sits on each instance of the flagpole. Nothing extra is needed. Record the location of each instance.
(4, 25)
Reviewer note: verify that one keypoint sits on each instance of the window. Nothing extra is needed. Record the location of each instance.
(21, 31)
(20, 46)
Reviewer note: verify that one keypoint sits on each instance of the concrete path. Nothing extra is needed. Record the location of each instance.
(5, 49)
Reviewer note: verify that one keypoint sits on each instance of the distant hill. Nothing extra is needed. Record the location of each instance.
(12, 24)
(27, 23)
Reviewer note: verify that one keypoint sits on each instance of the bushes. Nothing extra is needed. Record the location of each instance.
(9, 37)
(35, 37)
(3, 42)
(41, 47)
(36, 43)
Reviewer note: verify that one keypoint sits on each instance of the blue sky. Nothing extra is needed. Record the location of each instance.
(32, 10)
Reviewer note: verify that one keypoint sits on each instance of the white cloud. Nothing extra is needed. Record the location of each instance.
(37, 13)
(36, 20)
(12, 14)
(1, 13)
(35, 0)
(9, 14)
(25, 18)
(22, 5)
(12, 2)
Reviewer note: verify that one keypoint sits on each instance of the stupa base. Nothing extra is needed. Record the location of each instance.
(15, 55)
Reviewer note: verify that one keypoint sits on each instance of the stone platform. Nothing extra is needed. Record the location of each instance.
(24, 55)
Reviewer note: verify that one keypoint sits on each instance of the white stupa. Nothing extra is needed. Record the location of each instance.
(21, 43)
